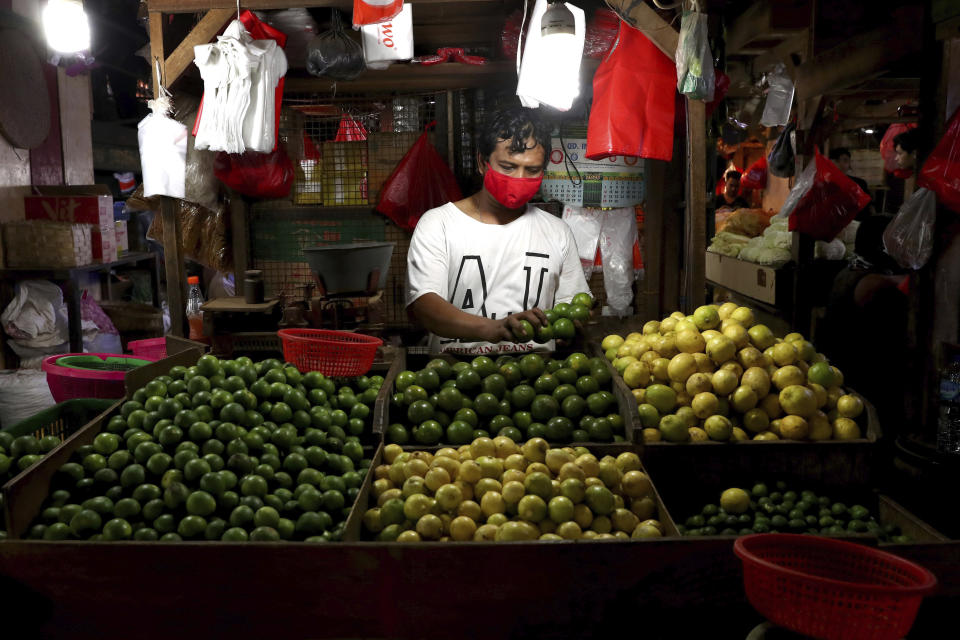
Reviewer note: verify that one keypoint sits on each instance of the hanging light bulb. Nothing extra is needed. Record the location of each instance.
(550, 72)
(65, 26)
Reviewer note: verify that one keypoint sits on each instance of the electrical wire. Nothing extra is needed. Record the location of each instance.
(667, 7)
(567, 162)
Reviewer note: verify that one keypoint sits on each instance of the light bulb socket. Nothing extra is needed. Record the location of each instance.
(557, 19)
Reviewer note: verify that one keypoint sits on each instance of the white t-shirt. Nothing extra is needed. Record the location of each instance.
(493, 270)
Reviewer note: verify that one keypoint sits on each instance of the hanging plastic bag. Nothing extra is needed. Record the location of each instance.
(334, 55)
(585, 225)
(823, 201)
(908, 238)
(259, 175)
(888, 150)
(601, 34)
(350, 130)
(299, 27)
(539, 81)
(633, 101)
(721, 85)
(163, 150)
(387, 42)
(776, 110)
(941, 172)
(617, 240)
(755, 177)
(782, 162)
(374, 11)
(420, 182)
(694, 60)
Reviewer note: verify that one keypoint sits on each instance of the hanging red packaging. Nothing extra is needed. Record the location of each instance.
(350, 130)
(755, 177)
(941, 171)
(258, 30)
(889, 153)
(633, 101)
(420, 182)
(374, 11)
(825, 202)
(258, 175)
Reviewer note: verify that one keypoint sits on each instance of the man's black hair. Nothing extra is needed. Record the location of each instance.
(516, 124)
(736, 175)
(839, 151)
(907, 140)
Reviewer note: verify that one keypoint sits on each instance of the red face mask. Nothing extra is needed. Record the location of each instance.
(511, 192)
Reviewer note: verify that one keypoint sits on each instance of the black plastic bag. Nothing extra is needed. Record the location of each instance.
(781, 162)
(334, 55)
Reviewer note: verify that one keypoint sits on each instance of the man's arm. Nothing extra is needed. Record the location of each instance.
(442, 318)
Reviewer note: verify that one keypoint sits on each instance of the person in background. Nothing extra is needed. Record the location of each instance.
(479, 266)
(905, 147)
(730, 198)
(841, 157)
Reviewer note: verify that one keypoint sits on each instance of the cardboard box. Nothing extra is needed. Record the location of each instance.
(747, 278)
(88, 204)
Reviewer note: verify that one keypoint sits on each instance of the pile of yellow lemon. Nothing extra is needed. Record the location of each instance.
(498, 490)
(716, 375)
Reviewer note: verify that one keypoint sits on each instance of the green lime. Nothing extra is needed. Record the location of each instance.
(420, 411)
(468, 380)
(562, 309)
(579, 313)
(543, 408)
(532, 366)
(397, 433)
(117, 529)
(84, 522)
(564, 329)
(583, 299)
(459, 432)
(192, 526)
(525, 332)
(264, 534)
(428, 432)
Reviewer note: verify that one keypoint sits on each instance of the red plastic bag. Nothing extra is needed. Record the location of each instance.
(755, 177)
(633, 101)
(721, 84)
(941, 171)
(420, 182)
(258, 30)
(374, 11)
(889, 153)
(259, 175)
(823, 201)
(601, 33)
(350, 130)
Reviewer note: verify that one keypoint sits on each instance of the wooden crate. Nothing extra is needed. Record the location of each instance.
(626, 406)
(354, 527)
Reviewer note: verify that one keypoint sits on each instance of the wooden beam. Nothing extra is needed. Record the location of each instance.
(205, 30)
(860, 57)
(695, 245)
(765, 21)
(173, 261)
(783, 52)
(641, 16)
(157, 56)
(450, 75)
(197, 6)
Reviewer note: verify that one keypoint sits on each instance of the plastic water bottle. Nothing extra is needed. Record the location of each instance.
(948, 427)
(194, 314)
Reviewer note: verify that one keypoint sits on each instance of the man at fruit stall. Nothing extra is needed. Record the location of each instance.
(478, 268)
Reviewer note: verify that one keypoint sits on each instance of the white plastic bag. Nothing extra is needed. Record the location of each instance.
(800, 188)
(694, 60)
(585, 225)
(539, 81)
(617, 238)
(908, 238)
(776, 111)
(23, 394)
(386, 42)
(36, 318)
(163, 151)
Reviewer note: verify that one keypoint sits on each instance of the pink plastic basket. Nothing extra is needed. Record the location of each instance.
(154, 348)
(67, 383)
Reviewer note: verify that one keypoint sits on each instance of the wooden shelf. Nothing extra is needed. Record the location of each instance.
(199, 6)
(410, 77)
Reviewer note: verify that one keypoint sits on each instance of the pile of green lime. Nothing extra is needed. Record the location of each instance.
(561, 320)
(533, 396)
(224, 450)
(784, 510)
(18, 454)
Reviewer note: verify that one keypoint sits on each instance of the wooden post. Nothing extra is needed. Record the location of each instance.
(656, 209)
(173, 260)
(156, 51)
(695, 232)
(240, 238)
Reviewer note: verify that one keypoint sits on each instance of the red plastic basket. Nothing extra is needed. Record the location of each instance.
(332, 353)
(67, 383)
(831, 589)
(155, 348)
